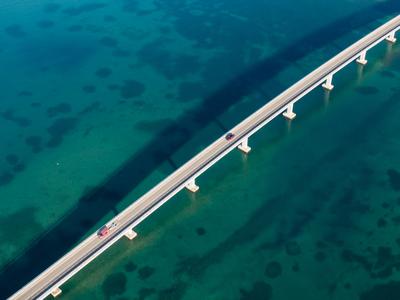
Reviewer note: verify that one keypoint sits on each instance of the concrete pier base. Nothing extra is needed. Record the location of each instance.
(191, 186)
(328, 87)
(391, 38)
(244, 147)
(361, 60)
(131, 234)
(289, 114)
(56, 292)
(328, 83)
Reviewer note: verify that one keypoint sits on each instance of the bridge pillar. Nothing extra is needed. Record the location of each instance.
(328, 83)
(131, 234)
(361, 60)
(244, 147)
(191, 186)
(391, 37)
(56, 292)
(289, 114)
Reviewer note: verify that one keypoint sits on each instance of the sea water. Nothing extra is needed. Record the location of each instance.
(102, 100)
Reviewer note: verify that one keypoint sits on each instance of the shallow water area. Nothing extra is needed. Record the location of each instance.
(102, 100)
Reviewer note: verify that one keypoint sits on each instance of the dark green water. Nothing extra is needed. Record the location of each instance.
(100, 101)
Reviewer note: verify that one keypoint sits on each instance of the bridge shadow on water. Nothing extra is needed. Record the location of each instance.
(99, 201)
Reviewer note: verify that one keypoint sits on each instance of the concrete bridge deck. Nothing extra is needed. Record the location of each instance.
(49, 281)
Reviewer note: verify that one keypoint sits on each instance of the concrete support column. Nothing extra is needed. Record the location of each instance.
(244, 147)
(361, 60)
(131, 234)
(391, 37)
(328, 83)
(191, 186)
(289, 114)
(56, 292)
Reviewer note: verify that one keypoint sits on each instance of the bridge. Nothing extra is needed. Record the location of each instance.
(49, 281)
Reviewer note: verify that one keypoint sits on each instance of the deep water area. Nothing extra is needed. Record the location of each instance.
(101, 100)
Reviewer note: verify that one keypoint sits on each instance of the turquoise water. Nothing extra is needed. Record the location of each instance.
(100, 101)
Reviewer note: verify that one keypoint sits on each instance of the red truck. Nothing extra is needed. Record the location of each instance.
(105, 230)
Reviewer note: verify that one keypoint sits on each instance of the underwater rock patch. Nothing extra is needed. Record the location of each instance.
(12, 159)
(51, 7)
(23, 223)
(20, 121)
(293, 248)
(103, 72)
(320, 256)
(58, 129)
(388, 74)
(200, 231)
(6, 178)
(130, 267)
(394, 179)
(108, 41)
(190, 91)
(273, 269)
(259, 291)
(89, 89)
(380, 264)
(347, 286)
(15, 31)
(367, 90)
(19, 167)
(45, 24)
(349, 256)
(385, 263)
(109, 18)
(75, 28)
(114, 285)
(145, 292)
(35, 142)
(129, 6)
(25, 94)
(170, 65)
(113, 87)
(153, 125)
(84, 8)
(132, 88)
(381, 223)
(120, 53)
(94, 106)
(145, 272)
(296, 267)
(386, 291)
(58, 109)
(175, 292)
